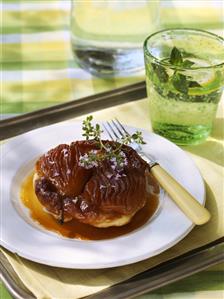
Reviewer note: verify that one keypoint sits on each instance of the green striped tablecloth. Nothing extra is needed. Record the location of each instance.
(38, 67)
(38, 70)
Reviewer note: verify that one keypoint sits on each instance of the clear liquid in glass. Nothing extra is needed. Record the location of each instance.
(107, 36)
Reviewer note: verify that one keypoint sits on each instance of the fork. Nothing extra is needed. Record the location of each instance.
(197, 213)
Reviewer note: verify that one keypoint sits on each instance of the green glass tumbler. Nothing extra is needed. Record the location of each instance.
(185, 80)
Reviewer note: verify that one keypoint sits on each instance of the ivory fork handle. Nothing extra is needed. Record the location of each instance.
(184, 200)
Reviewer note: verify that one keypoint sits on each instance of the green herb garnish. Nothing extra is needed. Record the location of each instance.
(176, 57)
(160, 72)
(180, 81)
(105, 151)
(89, 130)
(187, 63)
(194, 84)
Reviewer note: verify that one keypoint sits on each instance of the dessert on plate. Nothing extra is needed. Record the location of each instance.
(98, 182)
(102, 194)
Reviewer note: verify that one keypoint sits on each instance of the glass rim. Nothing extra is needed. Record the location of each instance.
(210, 34)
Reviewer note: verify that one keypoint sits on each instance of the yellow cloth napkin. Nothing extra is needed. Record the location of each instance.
(56, 283)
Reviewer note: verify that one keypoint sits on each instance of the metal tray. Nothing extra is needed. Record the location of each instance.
(20, 124)
(161, 275)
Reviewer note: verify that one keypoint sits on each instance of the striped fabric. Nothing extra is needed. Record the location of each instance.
(38, 66)
(37, 62)
(38, 70)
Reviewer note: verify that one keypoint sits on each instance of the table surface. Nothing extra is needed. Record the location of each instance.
(39, 71)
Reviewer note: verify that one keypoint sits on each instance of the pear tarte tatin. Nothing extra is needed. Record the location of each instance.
(103, 194)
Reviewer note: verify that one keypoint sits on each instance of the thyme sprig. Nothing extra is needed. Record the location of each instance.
(105, 152)
(90, 130)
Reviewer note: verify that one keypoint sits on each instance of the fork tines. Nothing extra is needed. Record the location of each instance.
(115, 129)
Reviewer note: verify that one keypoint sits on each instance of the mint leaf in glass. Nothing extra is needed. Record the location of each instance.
(160, 72)
(180, 83)
(187, 63)
(194, 84)
(176, 57)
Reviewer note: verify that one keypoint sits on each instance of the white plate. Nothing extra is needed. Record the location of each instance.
(20, 235)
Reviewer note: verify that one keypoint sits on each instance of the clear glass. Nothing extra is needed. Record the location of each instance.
(107, 35)
(183, 98)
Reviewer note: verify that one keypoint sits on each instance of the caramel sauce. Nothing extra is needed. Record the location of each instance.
(78, 230)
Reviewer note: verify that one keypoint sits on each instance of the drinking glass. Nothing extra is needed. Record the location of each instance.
(185, 80)
(107, 35)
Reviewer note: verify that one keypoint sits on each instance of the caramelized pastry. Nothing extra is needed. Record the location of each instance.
(102, 195)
